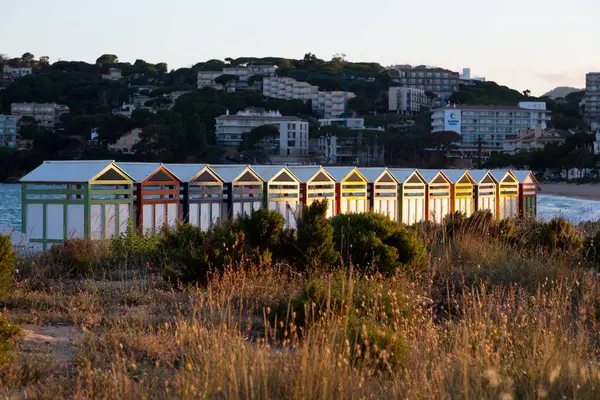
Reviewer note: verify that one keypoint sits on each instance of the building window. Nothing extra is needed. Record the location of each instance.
(291, 143)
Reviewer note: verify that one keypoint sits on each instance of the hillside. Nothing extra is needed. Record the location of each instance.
(561, 91)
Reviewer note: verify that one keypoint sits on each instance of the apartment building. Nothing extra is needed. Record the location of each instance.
(126, 142)
(16, 72)
(288, 89)
(360, 148)
(440, 81)
(592, 99)
(535, 139)
(8, 130)
(597, 142)
(492, 124)
(293, 131)
(47, 114)
(328, 104)
(406, 100)
(207, 78)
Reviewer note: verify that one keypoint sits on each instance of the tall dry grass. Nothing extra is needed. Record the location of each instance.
(485, 319)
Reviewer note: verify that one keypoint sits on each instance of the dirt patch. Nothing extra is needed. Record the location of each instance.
(57, 341)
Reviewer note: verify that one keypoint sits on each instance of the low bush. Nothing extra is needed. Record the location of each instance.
(315, 246)
(133, 249)
(591, 250)
(557, 234)
(7, 264)
(373, 242)
(75, 258)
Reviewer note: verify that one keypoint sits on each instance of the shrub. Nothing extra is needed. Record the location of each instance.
(184, 256)
(7, 264)
(134, 249)
(373, 241)
(262, 227)
(591, 249)
(557, 234)
(315, 236)
(75, 257)
(560, 234)
(8, 333)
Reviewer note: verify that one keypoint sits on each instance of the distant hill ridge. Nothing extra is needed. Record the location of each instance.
(561, 91)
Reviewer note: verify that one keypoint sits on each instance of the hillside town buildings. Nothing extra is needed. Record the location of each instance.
(360, 147)
(16, 72)
(126, 143)
(440, 81)
(207, 78)
(406, 100)
(488, 126)
(46, 114)
(293, 131)
(8, 130)
(592, 99)
(534, 139)
(114, 74)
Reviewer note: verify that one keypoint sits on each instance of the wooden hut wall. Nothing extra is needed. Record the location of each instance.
(384, 196)
(282, 194)
(111, 204)
(528, 197)
(463, 196)
(157, 201)
(352, 194)
(204, 200)
(245, 194)
(508, 197)
(438, 198)
(486, 195)
(412, 200)
(318, 188)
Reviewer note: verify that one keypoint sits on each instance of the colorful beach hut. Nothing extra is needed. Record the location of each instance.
(438, 203)
(382, 191)
(411, 195)
(75, 199)
(315, 185)
(507, 195)
(486, 189)
(203, 201)
(242, 188)
(527, 193)
(351, 190)
(281, 191)
(156, 197)
(462, 191)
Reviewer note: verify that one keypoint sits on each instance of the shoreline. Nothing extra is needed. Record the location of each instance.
(586, 191)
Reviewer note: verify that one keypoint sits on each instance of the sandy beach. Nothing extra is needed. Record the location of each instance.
(586, 191)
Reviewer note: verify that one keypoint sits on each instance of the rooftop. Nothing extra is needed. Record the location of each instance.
(68, 171)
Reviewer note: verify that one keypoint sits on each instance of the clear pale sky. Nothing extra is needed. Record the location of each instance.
(524, 44)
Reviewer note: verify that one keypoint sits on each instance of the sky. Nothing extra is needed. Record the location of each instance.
(523, 44)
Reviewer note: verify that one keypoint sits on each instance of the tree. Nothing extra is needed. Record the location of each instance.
(443, 141)
(27, 59)
(45, 60)
(107, 59)
(315, 236)
(256, 81)
(255, 139)
(162, 67)
(226, 79)
(527, 93)
(360, 105)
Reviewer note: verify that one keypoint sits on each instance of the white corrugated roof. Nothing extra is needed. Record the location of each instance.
(428, 174)
(267, 172)
(454, 175)
(67, 171)
(185, 172)
(372, 173)
(478, 174)
(305, 173)
(139, 171)
(499, 174)
(339, 173)
(401, 174)
(228, 173)
(521, 175)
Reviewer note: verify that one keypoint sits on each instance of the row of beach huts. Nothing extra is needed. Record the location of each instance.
(97, 199)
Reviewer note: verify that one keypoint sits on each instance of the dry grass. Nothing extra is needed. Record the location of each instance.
(483, 321)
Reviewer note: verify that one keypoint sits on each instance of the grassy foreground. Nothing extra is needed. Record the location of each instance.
(486, 317)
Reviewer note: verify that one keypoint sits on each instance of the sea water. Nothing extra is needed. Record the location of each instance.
(574, 210)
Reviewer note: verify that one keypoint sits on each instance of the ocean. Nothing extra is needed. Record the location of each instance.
(572, 209)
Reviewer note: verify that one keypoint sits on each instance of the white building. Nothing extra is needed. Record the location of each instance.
(597, 142)
(288, 89)
(207, 78)
(327, 104)
(114, 74)
(406, 100)
(16, 72)
(293, 131)
(466, 76)
(592, 99)
(492, 124)
(8, 130)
